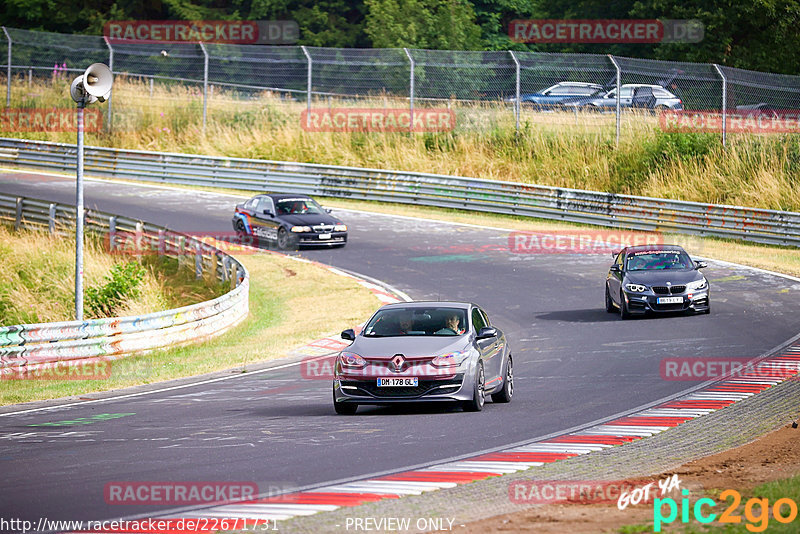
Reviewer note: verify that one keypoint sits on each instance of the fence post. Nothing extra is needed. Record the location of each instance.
(151, 87)
(516, 100)
(205, 84)
(18, 216)
(411, 87)
(308, 82)
(112, 233)
(111, 68)
(724, 103)
(198, 261)
(619, 76)
(8, 69)
(51, 219)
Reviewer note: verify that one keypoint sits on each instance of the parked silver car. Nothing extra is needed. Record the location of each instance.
(632, 95)
(424, 351)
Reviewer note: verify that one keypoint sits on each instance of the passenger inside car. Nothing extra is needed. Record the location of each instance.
(451, 325)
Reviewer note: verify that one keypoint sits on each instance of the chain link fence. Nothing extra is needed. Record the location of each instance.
(515, 83)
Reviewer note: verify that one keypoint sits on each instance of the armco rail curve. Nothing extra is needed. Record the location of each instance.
(27, 347)
(573, 205)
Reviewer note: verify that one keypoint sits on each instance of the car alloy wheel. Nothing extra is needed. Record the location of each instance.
(240, 229)
(283, 239)
(344, 408)
(478, 391)
(623, 308)
(505, 394)
(609, 303)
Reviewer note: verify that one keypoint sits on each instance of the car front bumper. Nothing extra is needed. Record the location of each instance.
(639, 303)
(366, 391)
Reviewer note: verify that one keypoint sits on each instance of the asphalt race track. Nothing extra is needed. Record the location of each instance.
(574, 364)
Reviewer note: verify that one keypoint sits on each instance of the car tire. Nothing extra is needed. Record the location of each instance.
(344, 408)
(623, 308)
(478, 391)
(239, 226)
(609, 303)
(283, 239)
(505, 394)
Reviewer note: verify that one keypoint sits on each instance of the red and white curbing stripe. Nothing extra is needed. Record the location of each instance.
(771, 371)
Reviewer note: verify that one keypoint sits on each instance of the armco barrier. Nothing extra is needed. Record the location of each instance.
(573, 205)
(28, 346)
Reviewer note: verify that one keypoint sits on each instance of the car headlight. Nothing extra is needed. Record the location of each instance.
(299, 229)
(697, 285)
(636, 288)
(451, 359)
(351, 359)
(340, 228)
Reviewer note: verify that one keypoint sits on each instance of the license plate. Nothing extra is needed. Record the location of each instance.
(398, 382)
(324, 236)
(670, 300)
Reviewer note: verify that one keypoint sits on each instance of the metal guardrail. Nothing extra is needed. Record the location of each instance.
(27, 347)
(572, 205)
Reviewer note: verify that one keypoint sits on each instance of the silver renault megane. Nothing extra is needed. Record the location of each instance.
(424, 351)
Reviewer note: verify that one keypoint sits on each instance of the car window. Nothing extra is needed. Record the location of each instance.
(663, 93)
(618, 259)
(485, 318)
(298, 206)
(251, 204)
(477, 320)
(416, 321)
(265, 204)
(565, 90)
(654, 260)
(626, 92)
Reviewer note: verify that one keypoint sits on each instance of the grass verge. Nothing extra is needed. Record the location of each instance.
(37, 280)
(561, 149)
(291, 303)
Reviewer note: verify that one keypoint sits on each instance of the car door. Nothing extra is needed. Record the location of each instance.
(265, 224)
(615, 274)
(490, 349)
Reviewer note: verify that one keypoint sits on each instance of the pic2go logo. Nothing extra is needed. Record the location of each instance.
(756, 511)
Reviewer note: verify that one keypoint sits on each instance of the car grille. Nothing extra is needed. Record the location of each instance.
(665, 290)
(323, 228)
(429, 386)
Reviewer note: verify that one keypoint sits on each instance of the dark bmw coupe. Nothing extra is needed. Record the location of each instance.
(660, 278)
(289, 221)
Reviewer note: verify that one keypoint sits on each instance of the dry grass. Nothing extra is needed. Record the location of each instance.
(38, 276)
(291, 304)
(559, 149)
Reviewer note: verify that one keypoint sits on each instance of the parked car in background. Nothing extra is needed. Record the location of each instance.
(559, 93)
(632, 95)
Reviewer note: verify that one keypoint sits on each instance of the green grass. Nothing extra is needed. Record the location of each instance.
(291, 304)
(558, 149)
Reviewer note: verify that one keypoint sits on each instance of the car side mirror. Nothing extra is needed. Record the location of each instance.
(700, 265)
(328, 210)
(486, 332)
(615, 268)
(268, 212)
(349, 334)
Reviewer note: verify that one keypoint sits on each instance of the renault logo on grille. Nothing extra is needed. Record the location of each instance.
(397, 362)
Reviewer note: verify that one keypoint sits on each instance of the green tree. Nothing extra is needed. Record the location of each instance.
(434, 24)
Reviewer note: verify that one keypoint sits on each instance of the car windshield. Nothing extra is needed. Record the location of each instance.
(433, 321)
(658, 260)
(298, 206)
